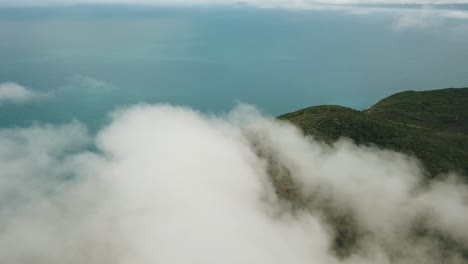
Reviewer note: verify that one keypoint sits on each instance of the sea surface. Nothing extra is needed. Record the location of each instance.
(87, 60)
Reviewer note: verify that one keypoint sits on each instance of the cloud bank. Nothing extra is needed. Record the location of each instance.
(261, 3)
(165, 184)
(426, 17)
(15, 93)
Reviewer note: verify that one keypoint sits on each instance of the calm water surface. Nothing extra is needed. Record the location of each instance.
(92, 59)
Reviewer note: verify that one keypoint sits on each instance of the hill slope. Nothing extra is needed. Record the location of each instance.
(431, 125)
(444, 110)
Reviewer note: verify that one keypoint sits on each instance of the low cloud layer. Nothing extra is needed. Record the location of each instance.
(164, 184)
(15, 93)
(408, 14)
(261, 3)
(426, 17)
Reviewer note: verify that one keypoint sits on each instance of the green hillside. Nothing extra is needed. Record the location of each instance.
(431, 125)
(443, 110)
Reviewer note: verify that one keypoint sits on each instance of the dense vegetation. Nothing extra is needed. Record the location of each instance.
(431, 125)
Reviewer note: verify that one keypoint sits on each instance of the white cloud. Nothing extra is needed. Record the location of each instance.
(15, 93)
(415, 19)
(262, 3)
(11, 92)
(427, 17)
(170, 185)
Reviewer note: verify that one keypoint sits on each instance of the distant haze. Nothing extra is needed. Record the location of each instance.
(261, 3)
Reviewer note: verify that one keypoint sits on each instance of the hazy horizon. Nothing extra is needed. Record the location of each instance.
(95, 58)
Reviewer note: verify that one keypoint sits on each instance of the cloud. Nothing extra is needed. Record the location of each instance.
(413, 19)
(165, 184)
(427, 17)
(260, 3)
(456, 14)
(11, 92)
(410, 14)
(15, 93)
(89, 83)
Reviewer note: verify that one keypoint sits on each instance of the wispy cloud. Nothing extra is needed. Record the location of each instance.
(456, 14)
(426, 17)
(260, 3)
(89, 83)
(415, 19)
(15, 93)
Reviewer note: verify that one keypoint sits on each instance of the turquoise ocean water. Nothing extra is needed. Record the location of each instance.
(92, 59)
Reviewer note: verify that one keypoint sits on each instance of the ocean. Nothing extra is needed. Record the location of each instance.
(88, 60)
